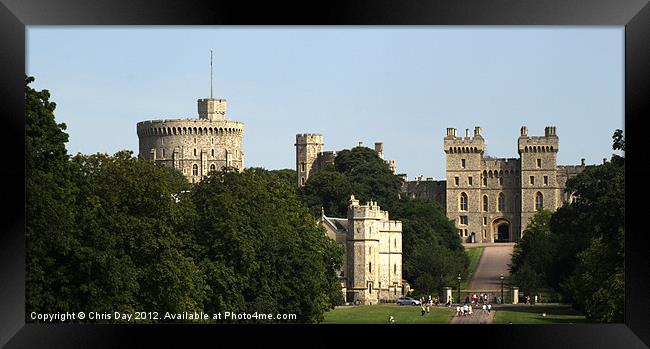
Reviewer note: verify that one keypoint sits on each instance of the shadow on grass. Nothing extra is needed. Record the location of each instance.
(533, 315)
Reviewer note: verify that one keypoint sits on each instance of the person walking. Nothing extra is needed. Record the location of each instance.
(458, 311)
(535, 299)
(489, 308)
(484, 308)
(423, 309)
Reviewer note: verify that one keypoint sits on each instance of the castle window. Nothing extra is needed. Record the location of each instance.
(194, 140)
(456, 180)
(545, 179)
(212, 140)
(462, 163)
(212, 167)
(484, 220)
(395, 268)
(395, 242)
(484, 180)
(194, 151)
(485, 233)
(460, 232)
(302, 166)
(469, 180)
(539, 163)
(302, 180)
(532, 180)
(500, 180)
(463, 202)
(163, 152)
(502, 202)
(485, 203)
(370, 287)
(195, 170)
(370, 267)
(212, 152)
(539, 201)
(463, 220)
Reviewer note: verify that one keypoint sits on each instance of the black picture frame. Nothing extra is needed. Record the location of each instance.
(16, 14)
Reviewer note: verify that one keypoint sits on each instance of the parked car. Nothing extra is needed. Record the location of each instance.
(407, 301)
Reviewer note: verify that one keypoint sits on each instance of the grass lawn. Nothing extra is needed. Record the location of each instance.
(378, 314)
(474, 254)
(533, 315)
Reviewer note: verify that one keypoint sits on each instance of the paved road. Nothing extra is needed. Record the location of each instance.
(477, 317)
(494, 261)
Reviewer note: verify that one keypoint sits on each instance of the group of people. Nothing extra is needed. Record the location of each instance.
(476, 299)
(465, 310)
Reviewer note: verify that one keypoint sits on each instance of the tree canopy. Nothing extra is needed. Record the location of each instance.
(432, 254)
(579, 249)
(118, 233)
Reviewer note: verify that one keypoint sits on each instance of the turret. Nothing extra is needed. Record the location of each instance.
(212, 108)
(308, 148)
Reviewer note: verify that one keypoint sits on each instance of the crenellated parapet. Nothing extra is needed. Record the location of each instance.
(549, 143)
(457, 145)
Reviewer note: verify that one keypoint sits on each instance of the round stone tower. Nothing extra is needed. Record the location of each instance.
(195, 146)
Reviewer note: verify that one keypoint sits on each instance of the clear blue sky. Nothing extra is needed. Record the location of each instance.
(400, 85)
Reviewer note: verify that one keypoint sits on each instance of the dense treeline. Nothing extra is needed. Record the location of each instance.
(579, 249)
(432, 253)
(117, 233)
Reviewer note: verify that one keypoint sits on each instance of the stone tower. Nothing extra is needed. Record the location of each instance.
(194, 146)
(539, 186)
(373, 254)
(464, 156)
(212, 108)
(308, 148)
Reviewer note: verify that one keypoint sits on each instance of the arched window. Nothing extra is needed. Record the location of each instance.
(485, 203)
(463, 202)
(502, 202)
(539, 201)
(195, 170)
(212, 167)
(370, 267)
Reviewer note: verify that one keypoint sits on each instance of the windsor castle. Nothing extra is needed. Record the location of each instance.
(489, 199)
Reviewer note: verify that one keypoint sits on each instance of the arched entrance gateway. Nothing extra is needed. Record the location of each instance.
(501, 230)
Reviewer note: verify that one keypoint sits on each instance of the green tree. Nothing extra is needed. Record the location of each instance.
(133, 233)
(327, 189)
(580, 249)
(432, 253)
(261, 249)
(49, 202)
(533, 255)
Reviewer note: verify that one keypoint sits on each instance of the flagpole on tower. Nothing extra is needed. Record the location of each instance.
(210, 74)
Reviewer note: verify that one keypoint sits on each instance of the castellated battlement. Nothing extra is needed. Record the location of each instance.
(172, 127)
(502, 164)
(467, 144)
(370, 210)
(549, 143)
(304, 138)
